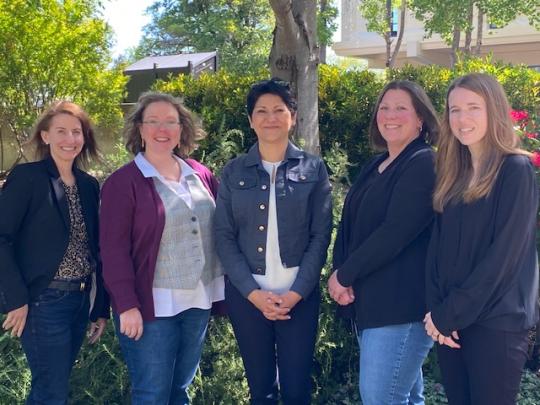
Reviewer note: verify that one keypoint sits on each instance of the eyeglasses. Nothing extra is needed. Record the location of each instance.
(165, 124)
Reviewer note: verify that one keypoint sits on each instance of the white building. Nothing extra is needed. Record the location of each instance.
(516, 43)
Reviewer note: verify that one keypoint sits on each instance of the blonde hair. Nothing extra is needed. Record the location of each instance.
(453, 163)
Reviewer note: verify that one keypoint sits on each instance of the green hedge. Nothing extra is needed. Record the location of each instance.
(346, 102)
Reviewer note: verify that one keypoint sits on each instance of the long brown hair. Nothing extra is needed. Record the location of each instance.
(89, 150)
(191, 131)
(454, 164)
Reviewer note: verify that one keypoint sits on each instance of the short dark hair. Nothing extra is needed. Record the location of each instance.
(89, 150)
(274, 86)
(422, 106)
(191, 131)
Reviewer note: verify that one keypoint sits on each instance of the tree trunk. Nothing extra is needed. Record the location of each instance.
(294, 57)
(455, 46)
(388, 34)
(402, 11)
(323, 4)
(468, 32)
(479, 32)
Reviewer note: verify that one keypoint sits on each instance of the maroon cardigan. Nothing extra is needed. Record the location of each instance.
(132, 218)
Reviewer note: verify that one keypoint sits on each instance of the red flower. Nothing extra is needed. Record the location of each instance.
(530, 135)
(518, 115)
(535, 159)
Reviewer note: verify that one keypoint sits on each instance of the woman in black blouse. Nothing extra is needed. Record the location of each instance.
(380, 250)
(482, 264)
(50, 276)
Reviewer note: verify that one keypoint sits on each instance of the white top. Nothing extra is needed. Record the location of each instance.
(168, 301)
(278, 278)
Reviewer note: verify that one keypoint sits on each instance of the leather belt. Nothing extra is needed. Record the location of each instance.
(71, 285)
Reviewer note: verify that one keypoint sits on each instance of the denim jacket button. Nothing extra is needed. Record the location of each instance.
(262, 207)
(302, 177)
(258, 270)
(264, 187)
(260, 249)
(261, 228)
(241, 183)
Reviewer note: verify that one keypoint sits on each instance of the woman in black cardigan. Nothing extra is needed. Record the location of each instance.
(50, 270)
(482, 264)
(380, 250)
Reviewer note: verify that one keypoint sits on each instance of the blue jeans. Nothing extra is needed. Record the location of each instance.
(53, 334)
(163, 362)
(391, 360)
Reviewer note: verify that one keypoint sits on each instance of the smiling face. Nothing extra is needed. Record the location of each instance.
(397, 120)
(271, 119)
(160, 129)
(65, 137)
(467, 116)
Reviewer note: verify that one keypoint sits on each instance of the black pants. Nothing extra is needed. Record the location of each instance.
(486, 370)
(275, 353)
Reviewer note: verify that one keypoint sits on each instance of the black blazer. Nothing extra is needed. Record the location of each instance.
(382, 241)
(34, 232)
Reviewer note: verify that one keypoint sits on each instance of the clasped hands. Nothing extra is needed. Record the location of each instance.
(275, 307)
(342, 295)
(437, 336)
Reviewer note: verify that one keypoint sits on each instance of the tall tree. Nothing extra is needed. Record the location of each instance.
(452, 18)
(241, 30)
(378, 15)
(295, 57)
(54, 49)
(326, 26)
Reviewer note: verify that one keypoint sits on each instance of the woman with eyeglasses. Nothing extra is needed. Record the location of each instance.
(157, 245)
(273, 222)
(50, 273)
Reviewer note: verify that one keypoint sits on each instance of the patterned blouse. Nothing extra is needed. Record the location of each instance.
(77, 262)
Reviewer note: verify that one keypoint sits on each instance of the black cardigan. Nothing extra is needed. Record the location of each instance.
(482, 264)
(382, 254)
(34, 232)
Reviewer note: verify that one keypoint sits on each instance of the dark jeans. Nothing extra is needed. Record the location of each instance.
(163, 362)
(275, 352)
(54, 331)
(486, 370)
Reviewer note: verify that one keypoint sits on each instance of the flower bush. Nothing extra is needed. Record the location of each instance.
(527, 128)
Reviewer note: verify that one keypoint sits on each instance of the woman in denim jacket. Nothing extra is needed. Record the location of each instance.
(273, 222)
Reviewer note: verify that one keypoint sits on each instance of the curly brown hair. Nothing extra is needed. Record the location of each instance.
(191, 131)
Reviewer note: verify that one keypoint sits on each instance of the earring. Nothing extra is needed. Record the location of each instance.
(142, 142)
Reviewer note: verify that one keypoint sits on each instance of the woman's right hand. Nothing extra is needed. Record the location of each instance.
(131, 323)
(269, 304)
(15, 320)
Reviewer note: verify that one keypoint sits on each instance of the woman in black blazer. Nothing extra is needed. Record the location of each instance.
(50, 276)
(482, 266)
(381, 246)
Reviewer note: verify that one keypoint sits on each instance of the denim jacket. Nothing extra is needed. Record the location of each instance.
(304, 217)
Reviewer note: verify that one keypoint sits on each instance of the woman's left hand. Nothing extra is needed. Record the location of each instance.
(289, 299)
(96, 329)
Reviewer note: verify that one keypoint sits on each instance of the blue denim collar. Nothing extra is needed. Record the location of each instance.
(253, 157)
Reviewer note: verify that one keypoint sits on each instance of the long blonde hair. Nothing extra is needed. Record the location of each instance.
(453, 163)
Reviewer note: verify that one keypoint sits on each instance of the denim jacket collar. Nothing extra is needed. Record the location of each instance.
(253, 157)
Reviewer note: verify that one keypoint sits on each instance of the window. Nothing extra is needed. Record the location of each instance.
(394, 23)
